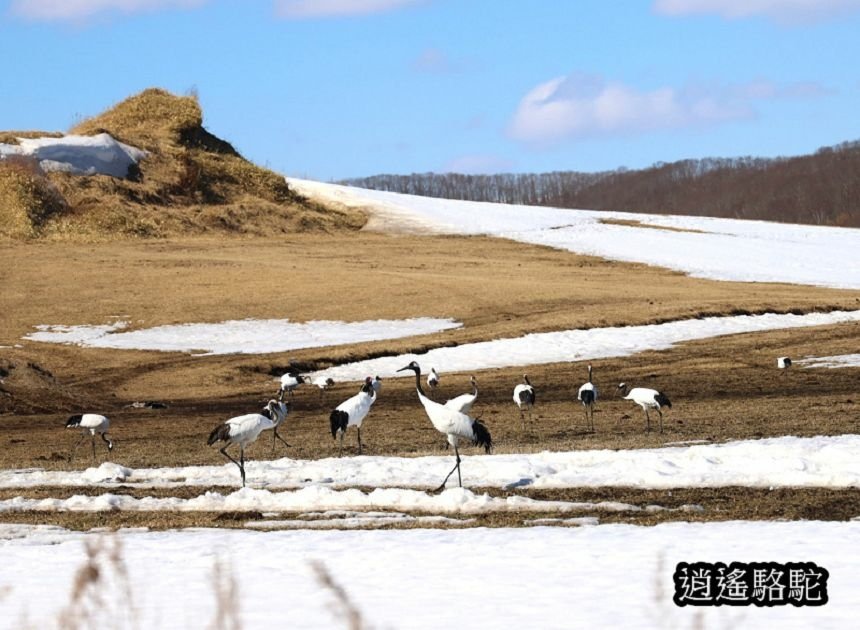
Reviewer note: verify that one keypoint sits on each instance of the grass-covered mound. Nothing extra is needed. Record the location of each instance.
(191, 182)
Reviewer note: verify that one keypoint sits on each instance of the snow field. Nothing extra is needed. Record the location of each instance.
(557, 577)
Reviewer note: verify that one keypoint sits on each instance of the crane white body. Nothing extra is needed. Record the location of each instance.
(352, 412)
(243, 430)
(289, 382)
(647, 399)
(463, 403)
(91, 424)
(455, 425)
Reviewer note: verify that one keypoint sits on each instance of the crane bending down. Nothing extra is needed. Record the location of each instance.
(242, 430)
(279, 410)
(588, 396)
(452, 423)
(353, 411)
(647, 399)
(91, 423)
(524, 396)
(433, 378)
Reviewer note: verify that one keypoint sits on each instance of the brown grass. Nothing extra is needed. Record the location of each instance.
(722, 389)
(633, 223)
(192, 182)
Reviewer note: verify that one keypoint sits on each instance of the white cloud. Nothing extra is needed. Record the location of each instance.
(579, 106)
(81, 9)
(793, 11)
(302, 9)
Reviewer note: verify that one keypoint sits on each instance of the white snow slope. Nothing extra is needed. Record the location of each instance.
(609, 576)
(720, 249)
(81, 155)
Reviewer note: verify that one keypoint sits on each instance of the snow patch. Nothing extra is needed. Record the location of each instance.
(79, 155)
(246, 336)
(835, 361)
(580, 345)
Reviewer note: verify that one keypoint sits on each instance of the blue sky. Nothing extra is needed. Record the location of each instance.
(328, 89)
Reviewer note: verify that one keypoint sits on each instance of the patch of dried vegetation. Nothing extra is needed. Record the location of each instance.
(191, 182)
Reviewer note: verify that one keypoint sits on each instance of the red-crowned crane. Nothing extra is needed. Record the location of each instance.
(323, 384)
(587, 395)
(352, 412)
(279, 410)
(242, 430)
(91, 423)
(463, 403)
(433, 378)
(454, 425)
(289, 382)
(524, 396)
(647, 399)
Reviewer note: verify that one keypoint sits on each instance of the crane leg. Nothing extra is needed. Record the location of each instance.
(457, 468)
(74, 450)
(240, 466)
(359, 440)
(242, 463)
(661, 420)
(648, 421)
(276, 435)
(94, 446)
(522, 419)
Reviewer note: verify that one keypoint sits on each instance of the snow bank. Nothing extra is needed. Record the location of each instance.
(81, 155)
(603, 576)
(825, 462)
(245, 336)
(580, 345)
(719, 249)
(452, 501)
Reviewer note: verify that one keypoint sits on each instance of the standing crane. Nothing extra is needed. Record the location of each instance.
(289, 382)
(242, 430)
(524, 396)
(353, 411)
(588, 396)
(453, 424)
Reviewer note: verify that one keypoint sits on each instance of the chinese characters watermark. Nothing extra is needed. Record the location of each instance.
(746, 583)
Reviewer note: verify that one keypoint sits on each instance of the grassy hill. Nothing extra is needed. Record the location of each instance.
(192, 182)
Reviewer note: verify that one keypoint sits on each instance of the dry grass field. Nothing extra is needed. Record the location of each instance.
(722, 389)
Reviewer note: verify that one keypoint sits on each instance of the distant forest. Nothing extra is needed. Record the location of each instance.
(822, 188)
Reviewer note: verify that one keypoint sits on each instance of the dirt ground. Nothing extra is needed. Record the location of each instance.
(722, 389)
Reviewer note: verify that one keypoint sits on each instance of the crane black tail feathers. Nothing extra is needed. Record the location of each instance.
(339, 420)
(663, 400)
(482, 436)
(219, 433)
(587, 397)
